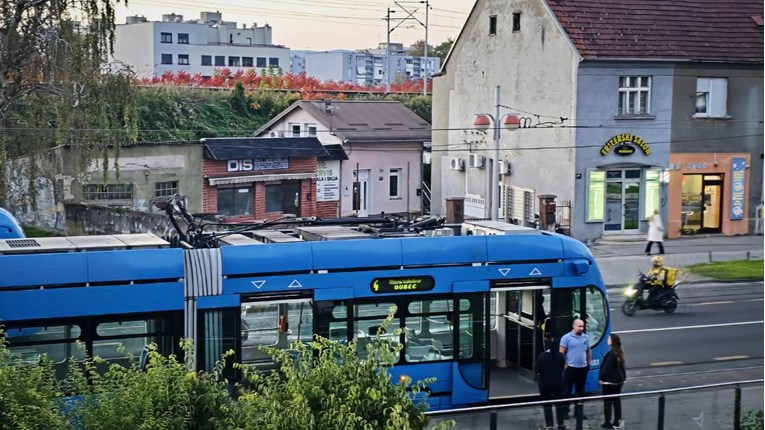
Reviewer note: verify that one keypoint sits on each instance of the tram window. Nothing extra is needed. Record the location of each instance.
(367, 329)
(340, 312)
(260, 324)
(26, 343)
(597, 313)
(423, 345)
(471, 327)
(299, 321)
(373, 310)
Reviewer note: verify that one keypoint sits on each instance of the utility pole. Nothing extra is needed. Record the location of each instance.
(387, 54)
(425, 61)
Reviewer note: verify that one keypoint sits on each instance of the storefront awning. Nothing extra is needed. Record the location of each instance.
(260, 178)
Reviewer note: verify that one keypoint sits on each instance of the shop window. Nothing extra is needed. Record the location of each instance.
(711, 97)
(235, 201)
(596, 194)
(394, 184)
(652, 192)
(634, 95)
(283, 197)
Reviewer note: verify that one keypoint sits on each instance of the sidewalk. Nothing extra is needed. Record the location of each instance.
(620, 262)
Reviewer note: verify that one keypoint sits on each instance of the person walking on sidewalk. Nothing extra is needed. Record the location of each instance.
(548, 372)
(575, 346)
(655, 233)
(611, 377)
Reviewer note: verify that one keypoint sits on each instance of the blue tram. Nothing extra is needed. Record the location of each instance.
(473, 310)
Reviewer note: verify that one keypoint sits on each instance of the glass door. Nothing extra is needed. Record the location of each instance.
(623, 201)
(702, 204)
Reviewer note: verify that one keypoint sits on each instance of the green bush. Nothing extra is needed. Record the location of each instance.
(752, 421)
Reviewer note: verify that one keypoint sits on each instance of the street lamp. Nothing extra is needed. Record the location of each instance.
(483, 121)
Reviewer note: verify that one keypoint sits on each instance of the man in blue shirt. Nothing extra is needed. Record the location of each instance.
(575, 346)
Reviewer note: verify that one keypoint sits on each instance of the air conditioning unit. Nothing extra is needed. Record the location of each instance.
(505, 168)
(477, 161)
(457, 163)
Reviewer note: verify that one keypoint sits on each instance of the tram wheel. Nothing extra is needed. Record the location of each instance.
(629, 308)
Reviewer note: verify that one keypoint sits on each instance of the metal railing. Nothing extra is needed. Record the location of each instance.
(720, 405)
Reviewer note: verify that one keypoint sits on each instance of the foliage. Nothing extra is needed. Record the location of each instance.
(442, 50)
(325, 385)
(752, 420)
(28, 395)
(167, 394)
(32, 231)
(53, 89)
(417, 49)
(727, 270)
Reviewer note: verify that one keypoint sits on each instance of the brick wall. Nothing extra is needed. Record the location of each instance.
(309, 206)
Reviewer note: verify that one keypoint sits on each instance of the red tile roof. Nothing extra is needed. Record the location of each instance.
(727, 31)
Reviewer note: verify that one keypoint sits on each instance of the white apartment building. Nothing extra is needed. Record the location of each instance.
(363, 68)
(196, 46)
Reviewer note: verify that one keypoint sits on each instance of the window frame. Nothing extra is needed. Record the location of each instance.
(108, 192)
(220, 61)
(715, 93)
(183, 38)
(234, 61)
(165, 37)
(209, 59)
(273, 61)
(626, 89)
(166, 188)
(394, 180)
(166, 59)
(261, 62)
(183, 59)
(248, 62)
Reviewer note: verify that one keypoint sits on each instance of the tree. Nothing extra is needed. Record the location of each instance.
(442, 50)
(417, 49)
(53, 89)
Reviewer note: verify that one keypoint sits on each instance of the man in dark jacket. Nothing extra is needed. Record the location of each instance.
(548, 372)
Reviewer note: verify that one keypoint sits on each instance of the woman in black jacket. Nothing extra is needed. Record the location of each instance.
(612, 376)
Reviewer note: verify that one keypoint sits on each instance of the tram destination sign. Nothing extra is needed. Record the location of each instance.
(403, 284)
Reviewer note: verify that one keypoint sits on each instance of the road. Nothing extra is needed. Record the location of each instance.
(715, 336)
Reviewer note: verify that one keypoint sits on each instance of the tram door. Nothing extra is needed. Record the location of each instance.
(520, 314)
(273, 322)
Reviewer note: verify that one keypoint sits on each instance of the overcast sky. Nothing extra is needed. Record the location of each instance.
(322, 24)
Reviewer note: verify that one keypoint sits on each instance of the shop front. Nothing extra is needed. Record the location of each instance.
(624, 188)
(708, 194)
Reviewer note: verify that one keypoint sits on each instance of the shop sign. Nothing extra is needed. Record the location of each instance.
(251, 164)
(328, 181)
(738, 167)
(625, 145)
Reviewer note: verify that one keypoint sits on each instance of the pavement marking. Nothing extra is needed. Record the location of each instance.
(666, 363)
(689, 327)
(731, 357)
(726, 302)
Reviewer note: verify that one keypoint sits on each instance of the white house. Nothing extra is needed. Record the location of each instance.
(384, 142)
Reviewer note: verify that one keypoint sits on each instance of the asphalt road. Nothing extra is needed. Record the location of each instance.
(714, 337)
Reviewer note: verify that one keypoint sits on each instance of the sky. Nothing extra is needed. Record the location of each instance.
(323, 24)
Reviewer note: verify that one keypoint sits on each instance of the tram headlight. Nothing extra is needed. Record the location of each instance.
(404, 380)
(630, 292)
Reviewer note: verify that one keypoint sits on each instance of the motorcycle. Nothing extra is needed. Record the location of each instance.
(666, 299)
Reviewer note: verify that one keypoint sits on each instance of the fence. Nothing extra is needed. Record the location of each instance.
(712, 406)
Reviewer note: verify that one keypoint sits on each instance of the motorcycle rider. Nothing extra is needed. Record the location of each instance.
(656, 279)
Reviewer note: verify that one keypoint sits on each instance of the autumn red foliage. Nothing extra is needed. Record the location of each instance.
(310, 87)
